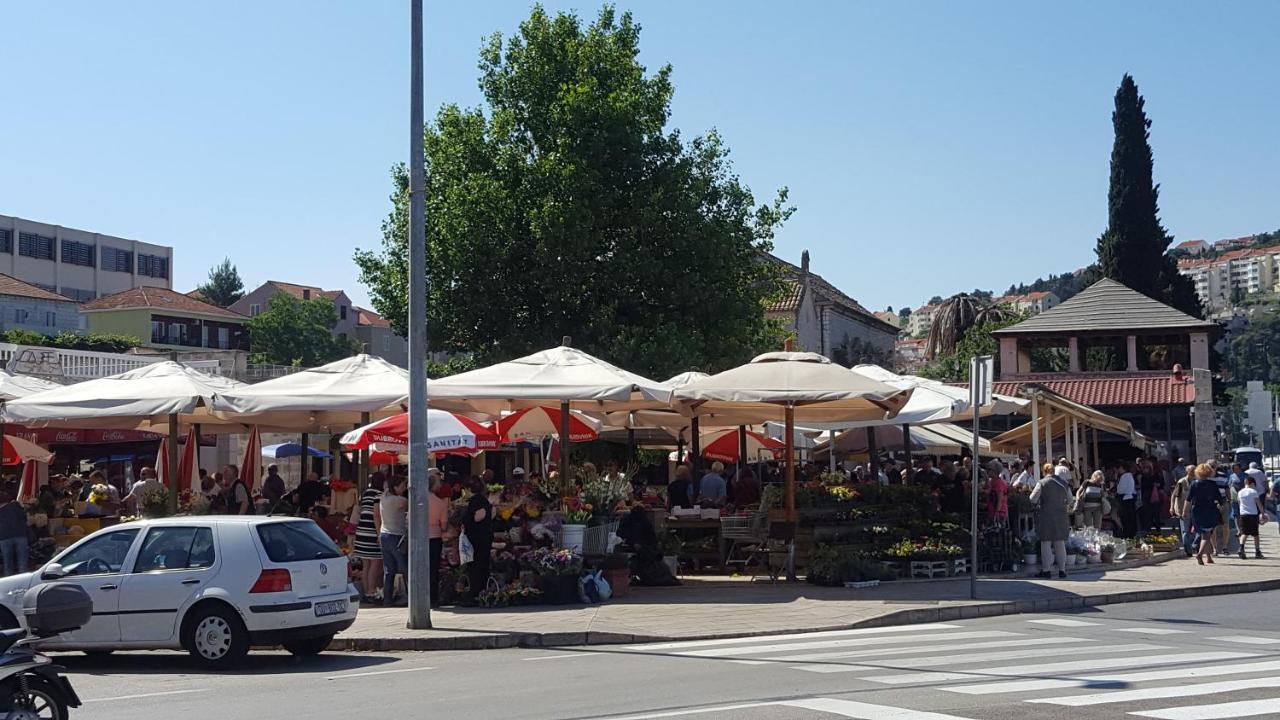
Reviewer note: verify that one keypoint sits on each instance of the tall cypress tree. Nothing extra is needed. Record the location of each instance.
(1133, 249)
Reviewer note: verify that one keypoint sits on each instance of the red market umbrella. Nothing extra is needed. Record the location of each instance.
(251, 465)
(18, 450)
(542, 421)
(724, 445)
(445, 431)
(30, 481)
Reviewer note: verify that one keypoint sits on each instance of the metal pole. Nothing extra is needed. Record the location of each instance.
(1035, 437)
(831, 450)
(419, 576)
(975, 401)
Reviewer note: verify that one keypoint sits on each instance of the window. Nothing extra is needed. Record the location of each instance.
(6, 242)
(116, 260)
(157, 331)
(296, 541)
(35, 246)
(342, 312)
(20, 316)
(77, 253)
(153, 266)
(51, 319)
(177, 334)
(175, 548)
(255, 310)
(99, 555)
(224, 338)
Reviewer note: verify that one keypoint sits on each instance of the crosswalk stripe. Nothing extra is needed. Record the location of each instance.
(1151, 631)
(792, 636)
(946, 647)
(1093, 680)
(1247, 640)
(865, 711)
(1025, 670)
(1243, 708)
(1063, 622)
(1160, 693)
(978, 657)
(843, 642)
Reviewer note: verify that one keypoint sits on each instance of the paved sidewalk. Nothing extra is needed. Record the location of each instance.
(728, 607)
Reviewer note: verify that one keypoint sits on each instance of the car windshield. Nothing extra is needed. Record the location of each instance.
(296, 541)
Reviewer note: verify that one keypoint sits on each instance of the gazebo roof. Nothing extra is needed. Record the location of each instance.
(1105, 306)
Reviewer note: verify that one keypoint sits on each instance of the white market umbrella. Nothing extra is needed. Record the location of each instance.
(933, 401)
(13, 386)
(319, 398)
(562, 375)
(137, 399)
(796, 386)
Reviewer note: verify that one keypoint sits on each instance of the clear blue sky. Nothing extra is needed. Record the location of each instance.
(930, 147)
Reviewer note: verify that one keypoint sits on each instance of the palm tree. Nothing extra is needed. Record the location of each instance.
(954, 317)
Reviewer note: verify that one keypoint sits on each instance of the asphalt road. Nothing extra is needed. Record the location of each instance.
(1176, 660)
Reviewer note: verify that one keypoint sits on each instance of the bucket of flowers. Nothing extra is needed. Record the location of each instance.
(558, 570)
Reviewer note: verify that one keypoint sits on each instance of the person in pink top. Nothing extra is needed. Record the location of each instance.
(437, 528)
(997, 494)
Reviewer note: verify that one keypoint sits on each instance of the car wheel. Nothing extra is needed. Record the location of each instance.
(308, 646)
(216, 637)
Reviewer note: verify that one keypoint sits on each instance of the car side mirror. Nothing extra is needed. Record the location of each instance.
(53, 571)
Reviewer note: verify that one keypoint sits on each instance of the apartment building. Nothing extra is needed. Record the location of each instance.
(1238, 272)
(80, 264)
(1032, 302)
(919, 322)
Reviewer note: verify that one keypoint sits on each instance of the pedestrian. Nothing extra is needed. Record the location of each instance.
(14, 539)
(1179, 508)
(273, 486)
(1023, 478)
(1127, 492)
(712, 489)
(236, 497)
(437, 528)
(997, 495)
(477, 523)
(1226, 505)
(1090, 500)
(366, 546)
(1053, 496)
(746, 488)
(1206, 516)
(1249, 503)
(679, 491)
(393, 529)
(133, 501)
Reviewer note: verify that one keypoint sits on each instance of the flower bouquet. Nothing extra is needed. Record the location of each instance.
(155, 504)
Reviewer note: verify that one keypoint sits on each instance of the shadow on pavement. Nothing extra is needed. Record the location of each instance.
(257, 663)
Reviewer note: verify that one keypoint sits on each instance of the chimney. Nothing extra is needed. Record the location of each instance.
(306, 293)
(804, 262)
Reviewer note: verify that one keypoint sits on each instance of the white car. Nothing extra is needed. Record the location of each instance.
(211, 585)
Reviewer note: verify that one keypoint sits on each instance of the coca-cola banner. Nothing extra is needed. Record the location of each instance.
(60, 436)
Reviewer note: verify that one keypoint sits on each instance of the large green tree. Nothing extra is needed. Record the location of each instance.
(1134, 249)
(566, 206)
(224, 285)
(291, 331)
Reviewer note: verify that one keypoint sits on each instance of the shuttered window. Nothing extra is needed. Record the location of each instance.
(77, 253)
(35, 246)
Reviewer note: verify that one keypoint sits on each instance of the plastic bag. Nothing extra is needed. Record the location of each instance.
(602, 585)
(466, 551)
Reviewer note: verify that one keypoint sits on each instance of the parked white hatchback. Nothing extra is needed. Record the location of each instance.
(212, 585)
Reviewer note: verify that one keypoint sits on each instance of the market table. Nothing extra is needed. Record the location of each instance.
(699, 524)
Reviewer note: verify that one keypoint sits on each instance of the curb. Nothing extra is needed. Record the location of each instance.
(914, 616)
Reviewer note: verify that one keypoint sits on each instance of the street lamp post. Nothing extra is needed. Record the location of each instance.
(418, 578)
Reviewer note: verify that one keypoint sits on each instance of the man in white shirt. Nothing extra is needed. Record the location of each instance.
(1259, 477)
(148, 484)
(1250, 506)
(1022, 477)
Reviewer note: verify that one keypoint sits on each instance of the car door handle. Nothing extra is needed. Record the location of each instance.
(191, 581)
(108, 587)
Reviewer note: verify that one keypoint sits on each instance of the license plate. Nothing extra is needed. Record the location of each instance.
(333, 607)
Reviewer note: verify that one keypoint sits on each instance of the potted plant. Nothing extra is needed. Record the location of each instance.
(1106, 553)
(576, 516)
(558, 570)
(617, 571)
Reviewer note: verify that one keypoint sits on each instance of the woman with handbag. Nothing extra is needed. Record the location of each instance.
(1203, 498)
(1089, 500)
(1053, 497)
(477, 524)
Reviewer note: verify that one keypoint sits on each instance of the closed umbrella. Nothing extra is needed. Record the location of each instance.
(251, 464)
(29, 488)
(189, 463)
(539, 422)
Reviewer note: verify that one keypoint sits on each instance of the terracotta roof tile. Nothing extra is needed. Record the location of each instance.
(297, 290)
(790, 299)
(157, 298)
(10, 285)
(1114, 392)
(1107, 306)
(370, 318)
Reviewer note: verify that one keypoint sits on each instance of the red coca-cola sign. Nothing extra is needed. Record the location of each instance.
(62, 436)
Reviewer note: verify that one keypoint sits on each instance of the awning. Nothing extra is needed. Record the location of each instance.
(1061, 412)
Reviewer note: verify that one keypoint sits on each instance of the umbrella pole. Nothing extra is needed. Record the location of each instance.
(564, 438)
(172, 475)
(304, 458)
(695, 449)
(742, 447)
(362, 461)
(631, 445)
(873, 457)
(906, 446)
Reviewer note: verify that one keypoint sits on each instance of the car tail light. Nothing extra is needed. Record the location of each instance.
(271, 581)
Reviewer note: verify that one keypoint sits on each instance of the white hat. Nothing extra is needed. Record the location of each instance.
(517, 471)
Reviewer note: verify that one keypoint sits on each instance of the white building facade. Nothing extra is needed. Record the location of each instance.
(80, 264)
